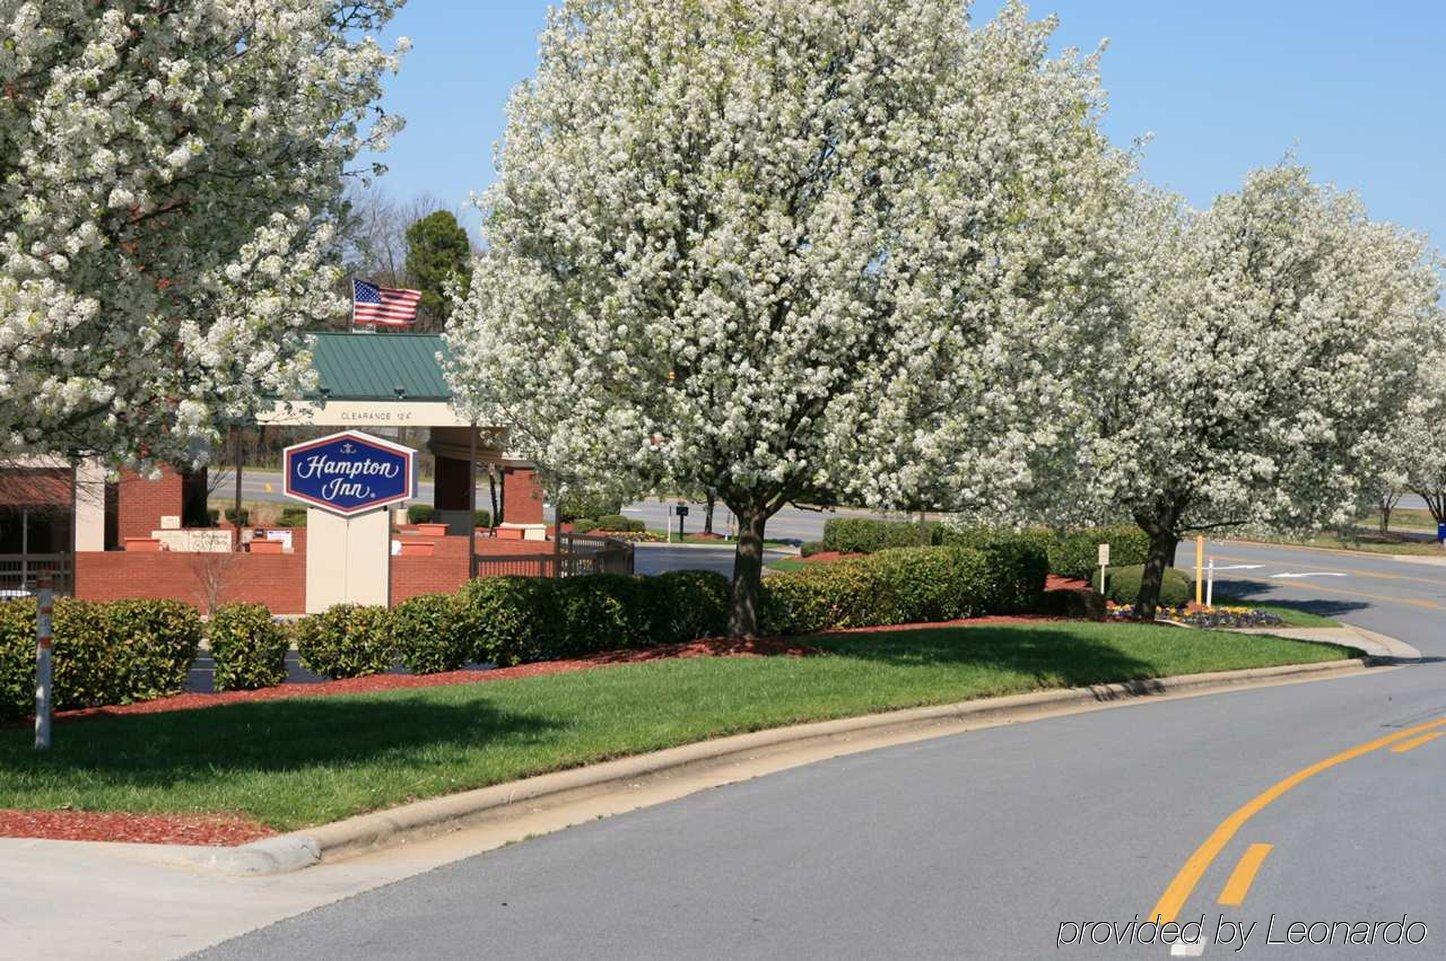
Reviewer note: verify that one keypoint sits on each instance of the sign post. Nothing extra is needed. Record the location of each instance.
(1104, 564)
(43, 662)
(348, 480)
(1199, 568)
(682, 511)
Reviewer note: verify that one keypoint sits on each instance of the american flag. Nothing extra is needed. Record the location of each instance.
(383, 306)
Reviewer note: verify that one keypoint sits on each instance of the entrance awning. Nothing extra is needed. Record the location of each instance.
(26, 488)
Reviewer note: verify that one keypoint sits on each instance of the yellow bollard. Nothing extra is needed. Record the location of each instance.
(1199, 568)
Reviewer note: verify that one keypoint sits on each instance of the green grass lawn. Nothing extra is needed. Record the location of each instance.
(311, 760)
(1293, 616)
(1368, 541)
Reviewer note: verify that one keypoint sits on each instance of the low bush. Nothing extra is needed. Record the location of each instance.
(810, 548)
(589, 505)
(687, 605)
(114, 653)
(1123, 587)
(509, 620)
(862, 535)
(292, 517)
(425, 634)
(581, 525)
(482, 518)
(620, 524)
(248, 647)
(907, 585)
(347, 641)
(241, 518)
(421, 514)
(1076, 553)
(602, 612)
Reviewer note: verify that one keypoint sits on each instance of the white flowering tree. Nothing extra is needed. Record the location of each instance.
(1412, 456)
(1265, 341)
(167, 174)
(775, 248)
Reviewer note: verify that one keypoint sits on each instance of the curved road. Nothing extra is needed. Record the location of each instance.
(1306, 803)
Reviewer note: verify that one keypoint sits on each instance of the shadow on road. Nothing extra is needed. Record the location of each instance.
(1245, 590)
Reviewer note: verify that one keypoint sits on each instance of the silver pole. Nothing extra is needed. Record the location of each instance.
(43, 666)
(1210, 586)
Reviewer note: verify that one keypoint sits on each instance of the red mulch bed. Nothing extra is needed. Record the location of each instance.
(829, 557)
(713, 647)
(205, 829)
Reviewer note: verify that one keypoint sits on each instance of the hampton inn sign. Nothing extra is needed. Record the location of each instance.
(350, 473)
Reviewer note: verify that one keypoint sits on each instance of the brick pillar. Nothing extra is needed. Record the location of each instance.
(522, 496)
(141, 502)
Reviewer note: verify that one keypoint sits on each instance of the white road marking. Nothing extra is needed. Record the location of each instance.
(1238, 567)
(1189, 949)
(1289, 576)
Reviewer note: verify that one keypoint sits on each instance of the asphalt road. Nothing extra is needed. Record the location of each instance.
(1002, 843)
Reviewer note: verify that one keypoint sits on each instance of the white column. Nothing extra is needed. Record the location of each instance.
(89, 506)
(348, 559)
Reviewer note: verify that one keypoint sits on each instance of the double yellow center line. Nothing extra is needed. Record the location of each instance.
(1171, 903)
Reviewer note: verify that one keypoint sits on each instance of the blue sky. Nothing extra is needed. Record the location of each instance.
(1356, 90)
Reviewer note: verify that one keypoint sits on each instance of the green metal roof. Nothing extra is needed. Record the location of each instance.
(379, 366)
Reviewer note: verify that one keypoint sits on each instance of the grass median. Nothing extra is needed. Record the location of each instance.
(293, 763)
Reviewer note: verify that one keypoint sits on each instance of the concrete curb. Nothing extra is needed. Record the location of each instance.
(1378, 648)
(423, 819)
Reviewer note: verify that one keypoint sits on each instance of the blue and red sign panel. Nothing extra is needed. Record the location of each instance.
(350, 473)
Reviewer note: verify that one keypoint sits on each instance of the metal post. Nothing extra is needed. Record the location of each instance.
(1199, 567)
(43, 666)
(24, 547)
(472, 503)
(236, 515)
(1210, 585)
(557, 533)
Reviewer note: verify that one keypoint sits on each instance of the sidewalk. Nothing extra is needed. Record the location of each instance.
(1378, 647)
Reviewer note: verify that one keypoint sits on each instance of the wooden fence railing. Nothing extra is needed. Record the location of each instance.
(18, 573)
(578, 554)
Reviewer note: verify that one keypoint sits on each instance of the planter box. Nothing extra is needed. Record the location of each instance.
(143, 545)
(266, 547)
(432, 530)
(418, 549)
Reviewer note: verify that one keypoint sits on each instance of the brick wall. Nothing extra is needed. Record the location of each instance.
(442, 573)
(276, 580)
(141, 502)
(522, 497)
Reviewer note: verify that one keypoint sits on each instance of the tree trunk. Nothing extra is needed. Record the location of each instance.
(747, 572)
(708, 513)
(1435, 503)
(1164, 541)
(492, 495)
(1174, 553)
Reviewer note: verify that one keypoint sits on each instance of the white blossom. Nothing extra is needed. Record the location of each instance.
(166, 171)
(780, 249)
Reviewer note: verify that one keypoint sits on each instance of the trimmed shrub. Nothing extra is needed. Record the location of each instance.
(907, 585)
(104, 654)
(1076, 553)
(346, 641)
(421, 514)
(686, 605)
(248, 647)
(602, 612)
(810, 548)
(241, 518)
(620, 524)
(1123, 587)
(292, 517)
(510, 620)
(589, 505)
(426, 636)
(581, 525)
(861, 535)
(482, 518)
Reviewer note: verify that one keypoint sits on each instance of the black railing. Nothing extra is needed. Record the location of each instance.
(578, 554)
(20, 572)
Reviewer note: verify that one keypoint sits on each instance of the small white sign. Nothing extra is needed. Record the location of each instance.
(1104, 555)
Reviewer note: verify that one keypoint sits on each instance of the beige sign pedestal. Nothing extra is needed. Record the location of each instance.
(348, 559)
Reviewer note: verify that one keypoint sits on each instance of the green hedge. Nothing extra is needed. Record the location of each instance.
(509, 620)
(907, 585)
(347, 641)
(1123, 586)
(862, 535)
(482, 518)
(589, 505)
(248, 647)
(421, 514)
(688, 605)
(425, 634)
(113, 653)
(581, 525)
(292, 517)
(1076, 553)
